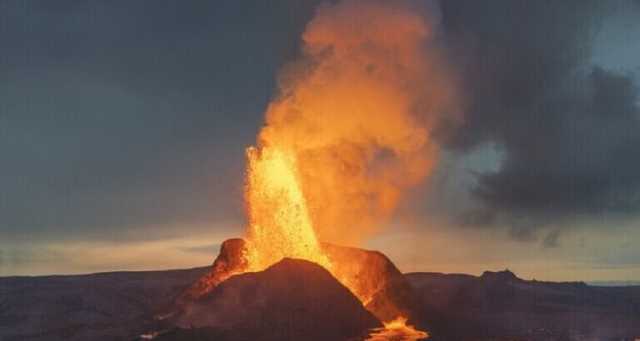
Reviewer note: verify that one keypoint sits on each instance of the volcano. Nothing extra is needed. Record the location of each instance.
(291, 300)
(294, 299)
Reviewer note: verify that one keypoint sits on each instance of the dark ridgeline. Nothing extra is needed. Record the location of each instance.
(501, 306)
(221, 307)
(494, 306)
(102, 306)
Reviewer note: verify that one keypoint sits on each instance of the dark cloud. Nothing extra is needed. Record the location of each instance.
(117, 116)
(569, 130)
(126, 115)
(552, 239)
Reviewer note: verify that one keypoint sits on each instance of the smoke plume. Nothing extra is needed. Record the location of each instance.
(568, 127)
(357, 110)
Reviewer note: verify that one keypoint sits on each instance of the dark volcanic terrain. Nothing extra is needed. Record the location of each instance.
(501, 306)
(494, 306)
(103, 306)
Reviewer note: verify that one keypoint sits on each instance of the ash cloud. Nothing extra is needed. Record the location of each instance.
(569, 130)
(357, 109)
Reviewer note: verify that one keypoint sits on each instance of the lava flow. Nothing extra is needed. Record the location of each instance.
(397, 330)
(279, 223)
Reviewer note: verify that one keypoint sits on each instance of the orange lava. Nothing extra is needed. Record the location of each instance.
(279, 223)
(397, 330)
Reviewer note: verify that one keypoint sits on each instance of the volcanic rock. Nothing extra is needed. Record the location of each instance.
(388, 294)
(501, 306)
(230, 261)
(291, 300)
(99, 307)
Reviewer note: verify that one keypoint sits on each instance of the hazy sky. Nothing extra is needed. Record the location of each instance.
(123, 127)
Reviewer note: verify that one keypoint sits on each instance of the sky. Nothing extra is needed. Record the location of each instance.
(123, 128)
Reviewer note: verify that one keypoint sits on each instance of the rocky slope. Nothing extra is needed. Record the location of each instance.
(291, 300)
(501, 306)
(105, 306)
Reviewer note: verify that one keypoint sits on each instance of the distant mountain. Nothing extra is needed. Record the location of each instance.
(501, 306)
(614, 283)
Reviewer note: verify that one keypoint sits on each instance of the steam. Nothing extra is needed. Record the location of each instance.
(357, 110)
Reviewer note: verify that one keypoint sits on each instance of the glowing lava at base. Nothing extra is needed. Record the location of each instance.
(397, 330)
